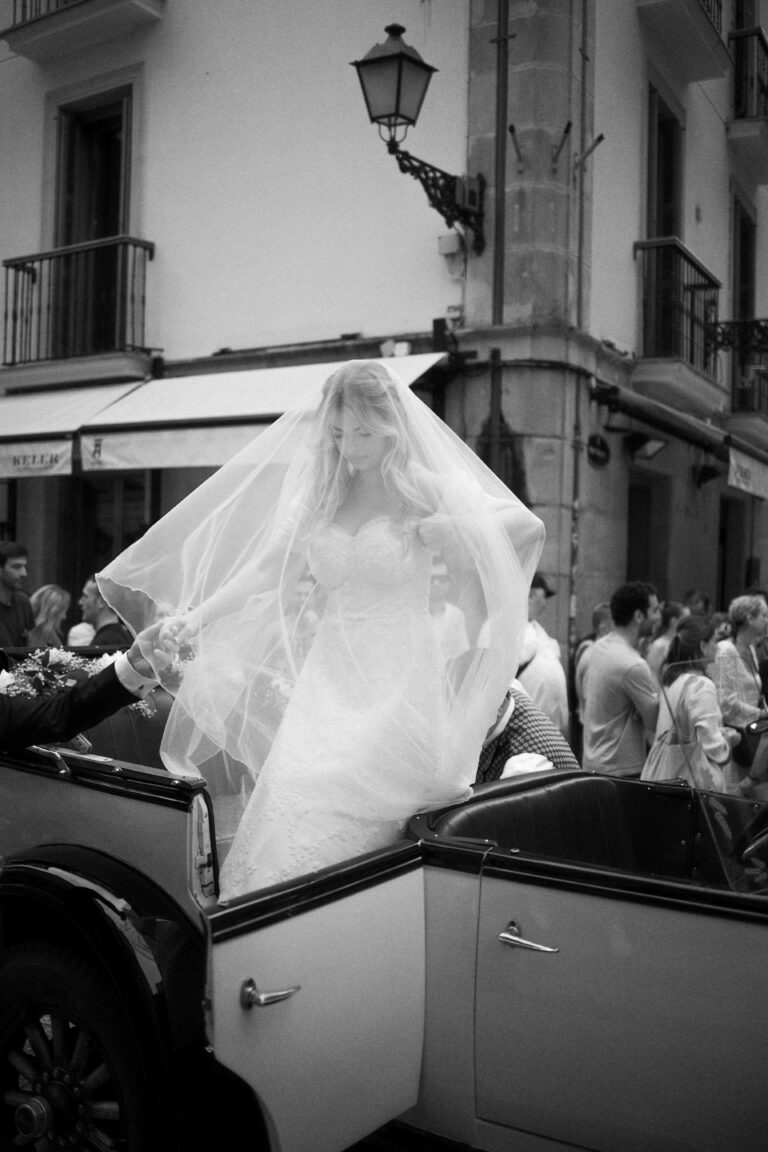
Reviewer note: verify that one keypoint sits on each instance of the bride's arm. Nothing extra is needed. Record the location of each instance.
(262, 575)
(441, 530)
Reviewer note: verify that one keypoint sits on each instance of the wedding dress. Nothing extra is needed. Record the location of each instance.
(312, 694)
(372, 695)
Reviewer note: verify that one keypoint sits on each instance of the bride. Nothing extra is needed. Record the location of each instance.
(336, 513)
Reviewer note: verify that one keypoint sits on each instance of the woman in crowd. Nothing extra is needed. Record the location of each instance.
(737, 678)
(658, 649)
(688, 708)
(49, 604)
(361, 491)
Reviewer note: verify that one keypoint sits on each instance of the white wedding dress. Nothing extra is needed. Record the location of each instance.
(342, 742)
(365, 739)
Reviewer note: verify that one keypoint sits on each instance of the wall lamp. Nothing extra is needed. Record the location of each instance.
(394, 80)
(704, 473)
(643, 447)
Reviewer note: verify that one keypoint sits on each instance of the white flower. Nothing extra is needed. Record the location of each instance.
(102, 662)
(6, 681)
(59, 656)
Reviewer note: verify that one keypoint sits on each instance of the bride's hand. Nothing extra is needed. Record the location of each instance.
(179, 630)
(438, 534)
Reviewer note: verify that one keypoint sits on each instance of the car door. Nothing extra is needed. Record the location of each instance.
(616, 1013)
(333, 1047)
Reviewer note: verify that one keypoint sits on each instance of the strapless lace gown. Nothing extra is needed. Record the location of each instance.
(364, 742)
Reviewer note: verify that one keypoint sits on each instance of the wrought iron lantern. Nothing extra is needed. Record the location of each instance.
(394, 80)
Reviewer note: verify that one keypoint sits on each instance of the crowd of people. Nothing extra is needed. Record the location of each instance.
(671, 690)
(38, 620)
(340, 613)
(646, 675)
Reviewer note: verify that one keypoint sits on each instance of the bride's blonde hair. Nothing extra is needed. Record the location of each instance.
(368, 391)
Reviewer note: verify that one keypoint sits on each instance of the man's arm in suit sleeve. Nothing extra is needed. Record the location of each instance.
(25, 721)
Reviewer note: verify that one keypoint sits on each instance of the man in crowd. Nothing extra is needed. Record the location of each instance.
(601, 626)
(621, 694)
(15, 611)
(109, 630)
(541, 672)
(521, 729)
(448, 619)
(62, 715)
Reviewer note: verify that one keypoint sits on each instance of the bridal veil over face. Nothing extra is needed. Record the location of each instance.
(276, 499)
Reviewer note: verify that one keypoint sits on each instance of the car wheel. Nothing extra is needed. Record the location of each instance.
(71, 1073)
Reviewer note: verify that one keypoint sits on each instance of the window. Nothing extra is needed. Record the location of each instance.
(91, 204)
(664, 168)
(664, 300)
(93, 177)
(744, 257)
(7, 509)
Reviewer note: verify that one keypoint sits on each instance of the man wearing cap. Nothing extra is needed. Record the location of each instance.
(541, 671)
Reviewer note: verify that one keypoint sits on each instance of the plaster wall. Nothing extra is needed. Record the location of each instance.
(277, 213)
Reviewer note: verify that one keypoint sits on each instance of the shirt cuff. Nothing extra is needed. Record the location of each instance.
(139, 685)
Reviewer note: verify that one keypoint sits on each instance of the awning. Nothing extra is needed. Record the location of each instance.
(663, 418)
(204, 420)
(748, 474)
(747, 465)
(37, 429)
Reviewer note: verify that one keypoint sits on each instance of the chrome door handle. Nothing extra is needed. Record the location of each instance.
(512, 936)
(250, 995)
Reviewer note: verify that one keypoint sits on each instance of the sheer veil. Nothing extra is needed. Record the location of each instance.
(257, 620)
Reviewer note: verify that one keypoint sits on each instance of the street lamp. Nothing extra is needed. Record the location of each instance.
(394, 80)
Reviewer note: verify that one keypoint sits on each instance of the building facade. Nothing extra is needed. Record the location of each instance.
(197, 218)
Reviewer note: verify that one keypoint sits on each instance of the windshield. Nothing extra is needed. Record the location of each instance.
(739, 831)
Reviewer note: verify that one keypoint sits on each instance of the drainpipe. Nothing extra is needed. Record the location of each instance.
(500, 188)
(578, 446)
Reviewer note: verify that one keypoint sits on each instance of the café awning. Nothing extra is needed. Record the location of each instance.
(175, 422)
(38, 429)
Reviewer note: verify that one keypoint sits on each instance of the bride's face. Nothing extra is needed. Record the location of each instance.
(362, 449)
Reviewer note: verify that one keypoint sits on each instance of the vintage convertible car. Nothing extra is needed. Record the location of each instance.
(566, 961)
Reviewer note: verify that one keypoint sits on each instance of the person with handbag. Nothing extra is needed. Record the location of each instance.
(692, 743)
(739, 688)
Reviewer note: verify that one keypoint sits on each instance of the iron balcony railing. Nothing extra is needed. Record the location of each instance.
(680, 303)
(26, 10)
(82, 300)
(747, 341)
(750, 53)
(714, 9)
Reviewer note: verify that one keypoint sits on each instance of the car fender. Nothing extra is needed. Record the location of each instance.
(145, 944)
(155, 956)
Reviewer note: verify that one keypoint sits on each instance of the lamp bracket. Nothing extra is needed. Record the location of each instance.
(582, 159)
(459, 200)
(560, 145)
(516, 146)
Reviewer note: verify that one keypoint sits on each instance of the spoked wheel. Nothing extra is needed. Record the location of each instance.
(71, 1074)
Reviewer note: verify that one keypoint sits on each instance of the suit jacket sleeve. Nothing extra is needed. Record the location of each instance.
(47, 719)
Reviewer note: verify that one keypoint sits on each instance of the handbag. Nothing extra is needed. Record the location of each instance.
(744, 752)
(672, 758)
(668, 759)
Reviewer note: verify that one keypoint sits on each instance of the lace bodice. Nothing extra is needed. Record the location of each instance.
(380, 570)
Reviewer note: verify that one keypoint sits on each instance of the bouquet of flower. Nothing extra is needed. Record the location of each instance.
(49, 670)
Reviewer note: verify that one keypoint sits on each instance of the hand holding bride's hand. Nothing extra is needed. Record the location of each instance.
(178, 630)
(146, 655)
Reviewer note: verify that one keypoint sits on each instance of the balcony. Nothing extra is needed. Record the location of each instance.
(76, 313)
(47, 29)
(678, 364)
(748, 130)
(747, 343)
(685, 37)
